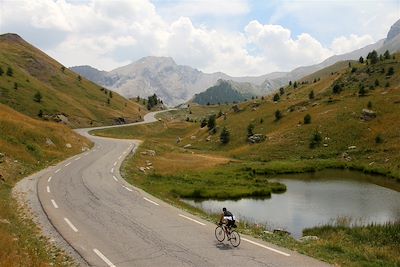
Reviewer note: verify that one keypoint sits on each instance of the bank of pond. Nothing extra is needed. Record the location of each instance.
(307, 200)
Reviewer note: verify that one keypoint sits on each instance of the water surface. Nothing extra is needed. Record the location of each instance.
(316, 199)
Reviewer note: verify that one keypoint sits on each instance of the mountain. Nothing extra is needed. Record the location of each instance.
(40, 87)
(224, 92)
(176, 83)
(173, 83)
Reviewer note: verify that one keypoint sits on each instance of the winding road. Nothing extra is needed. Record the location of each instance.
(111, 223)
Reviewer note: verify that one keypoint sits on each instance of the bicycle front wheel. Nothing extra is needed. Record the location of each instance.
(219, 233)
(235, 238)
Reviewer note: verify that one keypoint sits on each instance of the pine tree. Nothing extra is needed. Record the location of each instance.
(211, 123)
(225, 136)
(37, 97)
(10, 71)
(361, 60)
(278, 115)
(311, 94)
(386, 54)
(276, 97)
(307, 119)
(250, 130)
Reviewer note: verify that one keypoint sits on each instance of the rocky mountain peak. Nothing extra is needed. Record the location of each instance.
(394, 31)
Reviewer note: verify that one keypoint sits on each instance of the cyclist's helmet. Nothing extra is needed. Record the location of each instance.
(223, 209)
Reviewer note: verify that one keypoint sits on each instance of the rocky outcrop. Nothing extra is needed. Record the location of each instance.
(256, 138)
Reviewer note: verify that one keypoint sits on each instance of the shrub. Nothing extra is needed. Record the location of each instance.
(225, 136)
(250, 130)
(376, 82)
(278, 115)
(203, 123)
(307, 119)
(390, 71)
(311, 95)
(337, 88)
(15, 85)
(276, 97)
(362, 91)
(10, 71)
(1, 71)
(211, 123)
(369, 105)
(281, 90)
(354, 69)
(379, 139)
(316, 139)
(37, 97)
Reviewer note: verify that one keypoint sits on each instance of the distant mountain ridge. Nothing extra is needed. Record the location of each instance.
(177, 83)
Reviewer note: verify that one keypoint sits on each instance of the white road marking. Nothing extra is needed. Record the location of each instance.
(115, 163)
(48, 189)
(48, 180)
(71, 225)
(87, 153)
(127, 188)
(112, 170)
(119, 157)
(109, 263)
(66, 165)
(54, 204)
(193, 220)
(57, 170)
(115, 178)
(263, 246)
(94, 150)
(151, 201)
(78, 158)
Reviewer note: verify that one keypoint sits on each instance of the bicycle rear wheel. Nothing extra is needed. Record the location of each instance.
(235, 238)
(219, 233)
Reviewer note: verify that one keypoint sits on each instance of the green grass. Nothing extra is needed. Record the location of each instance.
(83, 102)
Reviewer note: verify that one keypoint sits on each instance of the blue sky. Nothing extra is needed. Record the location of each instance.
(239, 37)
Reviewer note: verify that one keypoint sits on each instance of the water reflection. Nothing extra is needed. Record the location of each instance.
(309, 202)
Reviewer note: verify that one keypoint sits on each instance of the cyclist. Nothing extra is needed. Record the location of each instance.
(227, 218)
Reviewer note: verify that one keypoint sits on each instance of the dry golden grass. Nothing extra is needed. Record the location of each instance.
(24, 149)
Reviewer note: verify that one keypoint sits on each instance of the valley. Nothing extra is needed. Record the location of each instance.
(130, 166)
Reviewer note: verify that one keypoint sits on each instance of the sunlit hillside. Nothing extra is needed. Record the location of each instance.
(40, 87)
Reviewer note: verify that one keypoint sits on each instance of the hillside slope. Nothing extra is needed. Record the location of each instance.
(38, 86)
(26, 146)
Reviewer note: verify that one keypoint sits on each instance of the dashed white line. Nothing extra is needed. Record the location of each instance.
(71, 225)
(54, 204)
(119, 157)
(78, 158)
(109, 263)
(193, 220)
(115, 163)
(66, 165)
(57, 170)
(112, 170)
(115, 178)
(127, 188)
(48, 180)
(87, 153)
(48, 189)
(151, 201)
(263, 246)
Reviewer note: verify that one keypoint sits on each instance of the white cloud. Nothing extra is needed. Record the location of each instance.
(109, 34)
(194, 8)
(276, 44)
(344, 44)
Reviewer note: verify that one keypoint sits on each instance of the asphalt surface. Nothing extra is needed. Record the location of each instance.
(111, 223)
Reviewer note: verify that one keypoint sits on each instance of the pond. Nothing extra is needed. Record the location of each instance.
(314, 199)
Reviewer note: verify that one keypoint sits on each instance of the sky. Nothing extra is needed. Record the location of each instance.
(238, 37)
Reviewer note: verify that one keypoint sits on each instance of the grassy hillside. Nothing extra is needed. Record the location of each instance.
(28, 145)
(191, 162)
(62, 91)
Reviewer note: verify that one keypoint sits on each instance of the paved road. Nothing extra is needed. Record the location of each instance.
(111, 223)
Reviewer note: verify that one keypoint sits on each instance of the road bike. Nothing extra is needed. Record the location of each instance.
(223, 231)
